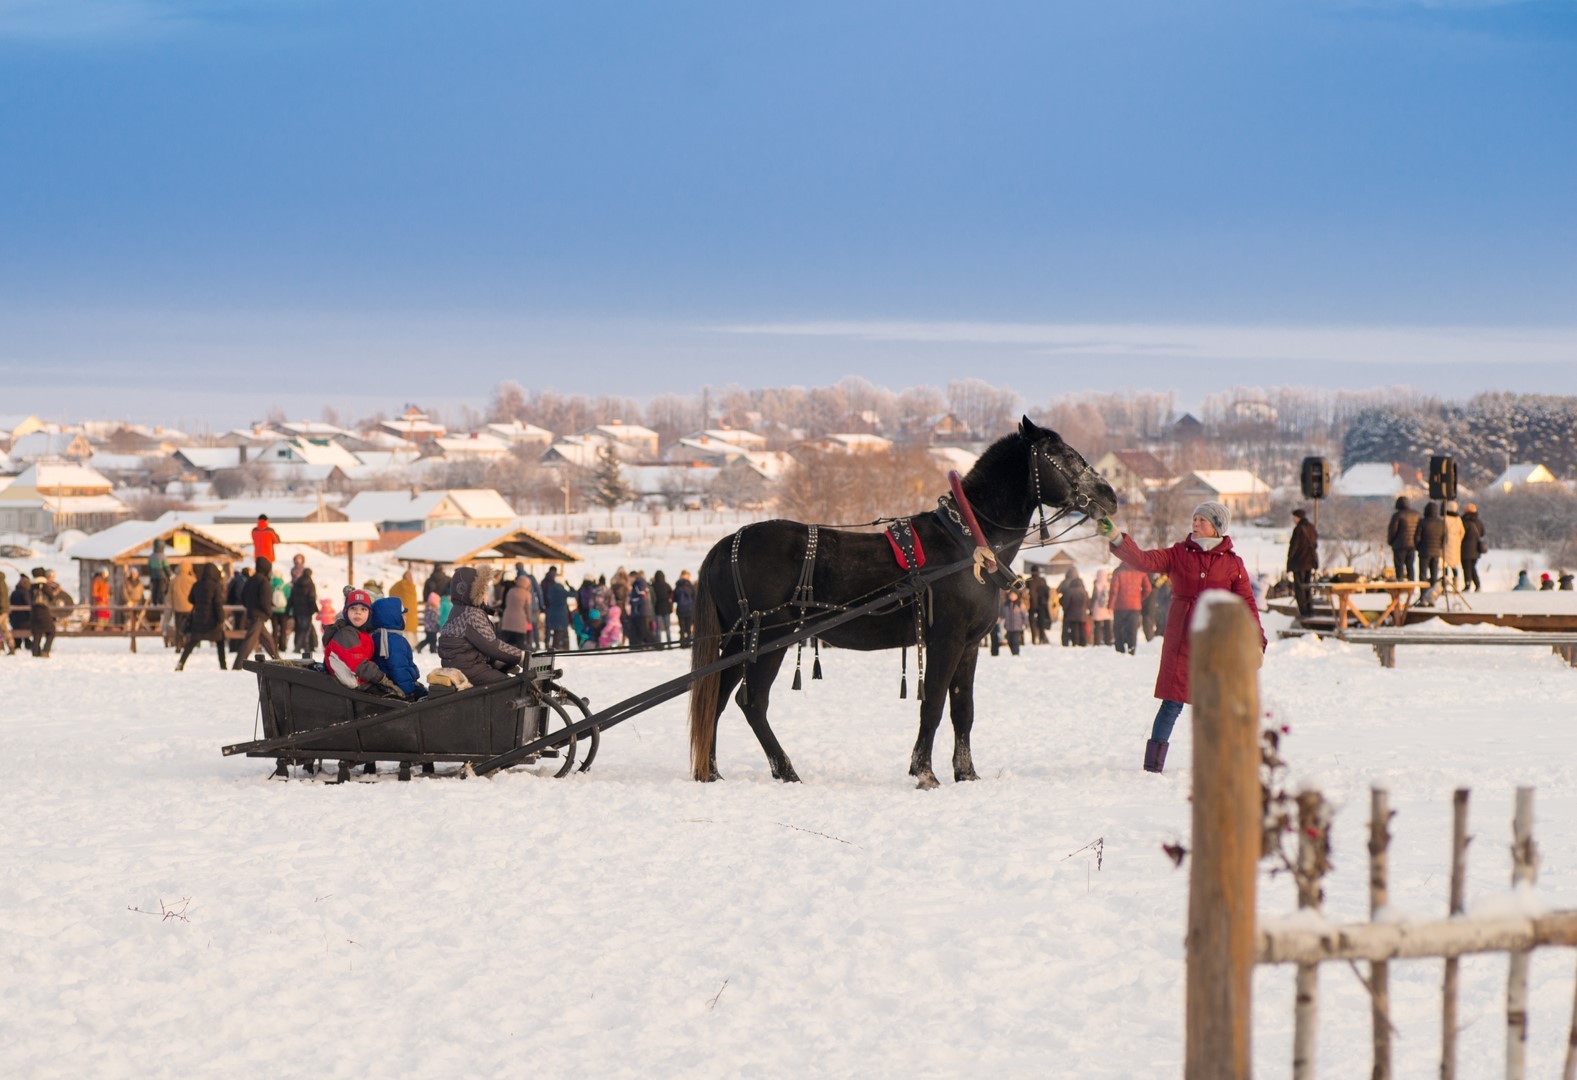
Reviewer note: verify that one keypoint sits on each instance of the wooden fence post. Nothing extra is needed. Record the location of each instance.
(1448, 996)
(1379, 896)
(1223, 672)
(1313, 825)
(1524, 860)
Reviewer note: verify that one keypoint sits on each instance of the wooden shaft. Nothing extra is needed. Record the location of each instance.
(1223, 665)
(1448, 993)
(1379, 896)
(1524, 861)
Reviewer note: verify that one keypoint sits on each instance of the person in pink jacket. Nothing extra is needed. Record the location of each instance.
(612, 629)
(1203, 560)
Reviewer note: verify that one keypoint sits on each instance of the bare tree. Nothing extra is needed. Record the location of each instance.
(673, 417)
(916, 406)
(850, 489)
(151, 504)
(739, 487)
(508, 402)
(517, 476)
(987, 411)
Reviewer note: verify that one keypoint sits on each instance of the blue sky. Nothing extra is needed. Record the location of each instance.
(228, 203)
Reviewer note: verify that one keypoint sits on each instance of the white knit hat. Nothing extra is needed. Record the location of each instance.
(1215, 513)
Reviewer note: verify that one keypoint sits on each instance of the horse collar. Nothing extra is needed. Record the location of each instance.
(967, 514)
(955, 513)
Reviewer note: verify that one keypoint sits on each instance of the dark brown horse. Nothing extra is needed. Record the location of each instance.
(759, 569)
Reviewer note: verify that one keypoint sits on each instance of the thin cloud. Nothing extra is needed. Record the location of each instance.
(1408, 345)
(64, 20)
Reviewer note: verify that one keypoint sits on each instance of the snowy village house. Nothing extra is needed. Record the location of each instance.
(1133, 474)
(51, 496)
(401, 515)
(1239, 490)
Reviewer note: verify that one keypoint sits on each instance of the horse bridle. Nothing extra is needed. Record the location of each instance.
(1078, 500)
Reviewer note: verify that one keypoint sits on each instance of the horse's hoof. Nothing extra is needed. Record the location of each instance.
(927, 782)
(961, 775)
(789, 776)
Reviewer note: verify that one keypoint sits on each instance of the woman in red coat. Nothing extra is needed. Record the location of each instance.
(1204, 560)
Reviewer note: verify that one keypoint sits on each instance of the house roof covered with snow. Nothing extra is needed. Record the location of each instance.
(623, 432)
(472, 445)
(306, 452)
(316, 429)
(1370, 480)
(1226, 481)
(41, 444)
(1143, 464)
(477, 504)
(1522, 475)
(210, 458)
(132, 539)
(749, 440)
(63, 477)
(15, 425)
(461, 544)
(514, 431)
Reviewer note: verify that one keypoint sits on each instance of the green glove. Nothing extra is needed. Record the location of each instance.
(1107, 528)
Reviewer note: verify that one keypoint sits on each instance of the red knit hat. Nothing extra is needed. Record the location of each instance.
(357, 596)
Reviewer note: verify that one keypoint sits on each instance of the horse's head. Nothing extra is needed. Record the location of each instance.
(1062, 477)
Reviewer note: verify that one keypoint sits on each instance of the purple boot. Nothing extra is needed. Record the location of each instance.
(1154, 755)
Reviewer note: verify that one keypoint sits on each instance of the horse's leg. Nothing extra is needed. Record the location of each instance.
(728, 678)
(961, 702)
(758, 690)
(939, 665)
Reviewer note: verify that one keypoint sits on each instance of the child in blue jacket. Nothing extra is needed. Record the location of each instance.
(392, 649)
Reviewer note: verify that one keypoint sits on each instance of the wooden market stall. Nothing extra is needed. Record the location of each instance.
(127, 545)
(465, 545)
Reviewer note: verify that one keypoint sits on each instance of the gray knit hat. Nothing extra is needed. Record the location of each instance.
(1215, 513)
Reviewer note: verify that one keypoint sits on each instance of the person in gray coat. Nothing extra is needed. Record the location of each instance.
(468, 641)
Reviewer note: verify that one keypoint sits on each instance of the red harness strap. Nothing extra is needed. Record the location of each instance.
(968, 512)
(905, 544)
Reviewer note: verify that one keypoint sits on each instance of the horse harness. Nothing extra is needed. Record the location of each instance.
(956, 517)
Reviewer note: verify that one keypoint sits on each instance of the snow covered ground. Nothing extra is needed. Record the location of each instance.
(629, 922)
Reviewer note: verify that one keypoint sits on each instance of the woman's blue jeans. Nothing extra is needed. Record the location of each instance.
(1166, 719)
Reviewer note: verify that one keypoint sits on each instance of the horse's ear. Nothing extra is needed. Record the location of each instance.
(1026, 429)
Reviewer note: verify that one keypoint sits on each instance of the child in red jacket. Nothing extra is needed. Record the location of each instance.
(348, 646)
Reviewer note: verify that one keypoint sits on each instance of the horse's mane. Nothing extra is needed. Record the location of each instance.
(998, 454)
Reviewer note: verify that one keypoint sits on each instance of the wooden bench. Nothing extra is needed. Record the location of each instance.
(1564, 644)
(75, 621)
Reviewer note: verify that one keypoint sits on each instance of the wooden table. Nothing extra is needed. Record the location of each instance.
(1400, 592)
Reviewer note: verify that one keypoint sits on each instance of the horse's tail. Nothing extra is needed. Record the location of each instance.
(706, 647)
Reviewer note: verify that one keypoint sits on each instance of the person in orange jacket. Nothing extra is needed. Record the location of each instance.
(263, 539)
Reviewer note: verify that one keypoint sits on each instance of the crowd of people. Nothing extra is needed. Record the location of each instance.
(1441, 545)
(29, 607)
(1113, 610)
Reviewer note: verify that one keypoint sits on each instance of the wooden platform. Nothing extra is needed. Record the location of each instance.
(1562, 643)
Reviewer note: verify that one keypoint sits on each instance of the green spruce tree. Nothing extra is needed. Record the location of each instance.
(608, 487)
